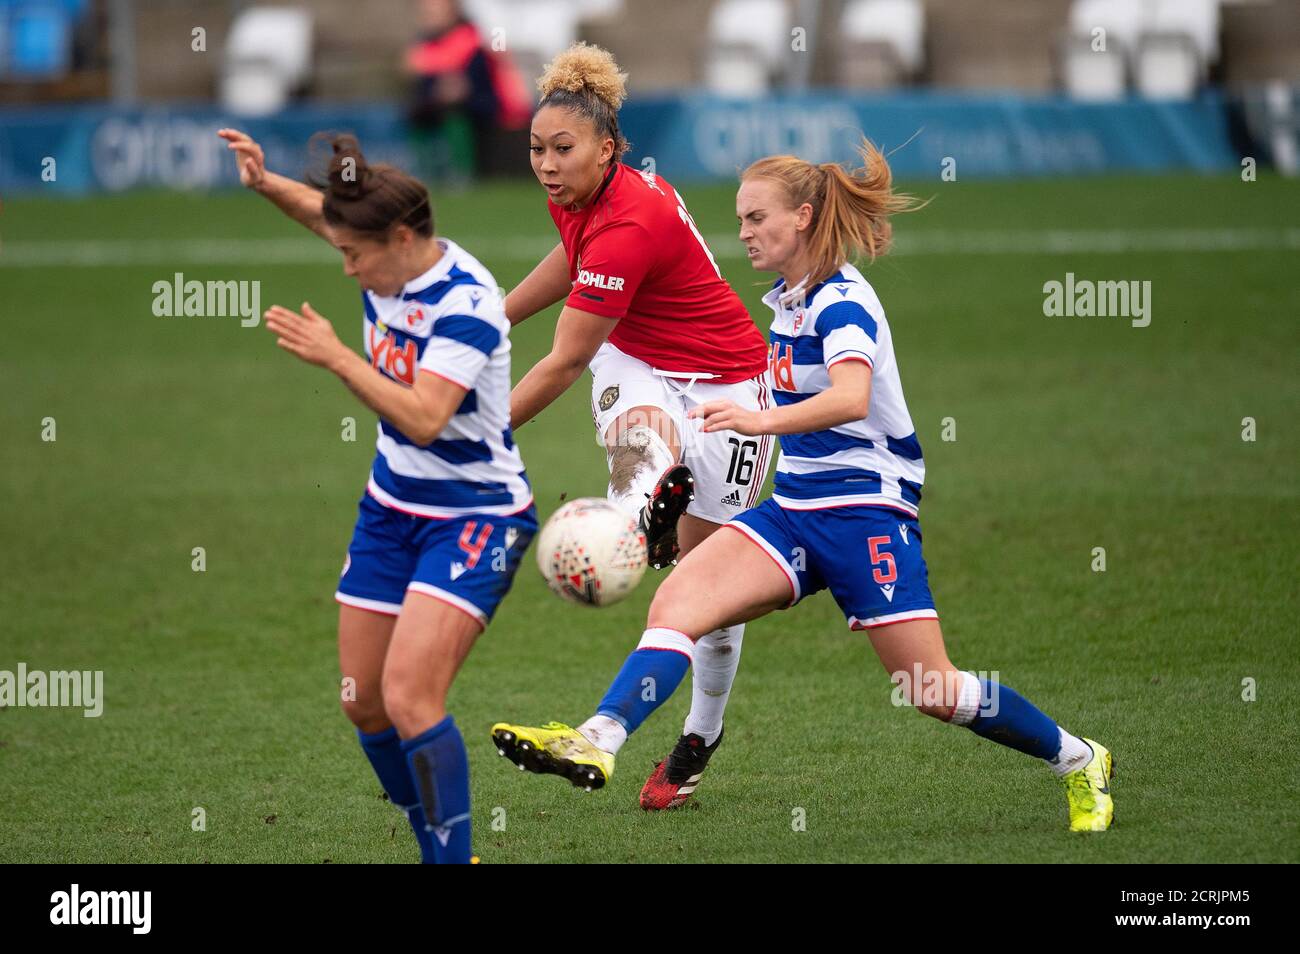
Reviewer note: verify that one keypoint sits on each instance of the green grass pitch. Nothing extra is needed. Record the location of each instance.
(221, 686)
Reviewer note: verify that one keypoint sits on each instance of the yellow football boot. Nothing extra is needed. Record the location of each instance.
(1088, 791)
(554, 749)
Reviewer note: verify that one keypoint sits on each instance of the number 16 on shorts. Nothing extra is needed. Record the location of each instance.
(746, 470)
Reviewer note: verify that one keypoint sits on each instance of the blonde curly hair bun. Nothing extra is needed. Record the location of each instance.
(585, 67)
(585, 80)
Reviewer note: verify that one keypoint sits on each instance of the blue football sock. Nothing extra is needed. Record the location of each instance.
(384, 749)
(439, 767)
(1008, 718)
(647, 679)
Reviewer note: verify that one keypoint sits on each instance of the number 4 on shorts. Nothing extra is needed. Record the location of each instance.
(474, 547)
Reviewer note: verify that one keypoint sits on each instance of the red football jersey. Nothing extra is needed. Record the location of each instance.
(636, 255)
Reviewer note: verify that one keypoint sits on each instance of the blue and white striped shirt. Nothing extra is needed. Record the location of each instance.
(875, 461)
(450, 322)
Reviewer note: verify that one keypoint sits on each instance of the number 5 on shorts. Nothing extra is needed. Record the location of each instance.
(890, 573)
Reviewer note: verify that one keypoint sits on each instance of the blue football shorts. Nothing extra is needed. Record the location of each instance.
(868, 557)
(466, 561)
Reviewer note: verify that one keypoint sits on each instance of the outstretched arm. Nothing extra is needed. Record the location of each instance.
(295, 199)
(578, 334)
(847, 399)
(420, 412)
(545, 285)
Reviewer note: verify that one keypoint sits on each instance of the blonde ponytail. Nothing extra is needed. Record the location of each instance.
(850, 209)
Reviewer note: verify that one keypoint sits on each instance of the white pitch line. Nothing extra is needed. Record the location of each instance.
(105, 253)
(1102, 241)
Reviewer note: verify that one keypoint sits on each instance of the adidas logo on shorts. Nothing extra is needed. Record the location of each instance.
(732, 499)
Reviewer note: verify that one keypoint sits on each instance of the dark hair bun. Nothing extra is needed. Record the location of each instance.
(347, 169)
(366, 198)
(338, 166)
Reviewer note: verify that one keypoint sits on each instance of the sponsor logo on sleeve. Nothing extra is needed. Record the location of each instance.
(597, 280)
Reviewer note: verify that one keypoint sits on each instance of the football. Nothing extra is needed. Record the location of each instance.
(591, 552)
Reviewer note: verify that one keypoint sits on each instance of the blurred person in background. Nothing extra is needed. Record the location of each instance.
(466, 98)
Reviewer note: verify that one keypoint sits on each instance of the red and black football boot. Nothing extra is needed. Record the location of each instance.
(675, 778)
(674, 491)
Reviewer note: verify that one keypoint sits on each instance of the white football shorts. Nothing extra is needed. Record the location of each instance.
(729, 468)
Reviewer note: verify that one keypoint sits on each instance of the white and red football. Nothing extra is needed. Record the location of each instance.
(591, 552)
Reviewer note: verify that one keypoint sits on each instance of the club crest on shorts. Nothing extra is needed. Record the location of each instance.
(608, 397)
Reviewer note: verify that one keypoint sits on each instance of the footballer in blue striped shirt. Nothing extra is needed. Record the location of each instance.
(447, 511)
(843, 515)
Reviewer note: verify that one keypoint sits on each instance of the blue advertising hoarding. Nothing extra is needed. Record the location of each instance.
(690, 138)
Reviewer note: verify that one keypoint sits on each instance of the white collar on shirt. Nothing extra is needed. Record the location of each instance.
(437, 272)
(785, 297)
(788, 297)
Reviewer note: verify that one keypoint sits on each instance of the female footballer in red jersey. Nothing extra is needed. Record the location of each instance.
(647, 310)
(844, 512)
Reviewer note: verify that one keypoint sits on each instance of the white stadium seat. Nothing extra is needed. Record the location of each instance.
(1121, 19)
(1167, 66)
(1095, 74)
(899, 23)
(267, 56)
(533, 30)
(1168, 44)
(544, 26)
(1198, 19)
(598, 8)
(1180, 39)
(748, 42)
(1091, 75)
